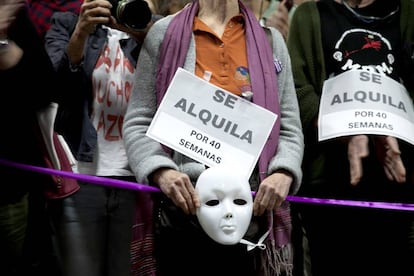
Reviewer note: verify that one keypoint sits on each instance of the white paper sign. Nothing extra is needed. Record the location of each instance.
(211, 125)
(360, 102)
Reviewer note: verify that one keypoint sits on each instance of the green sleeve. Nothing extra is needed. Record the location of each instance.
(305, 48)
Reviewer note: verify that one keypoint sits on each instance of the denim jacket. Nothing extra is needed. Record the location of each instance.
(75, 106)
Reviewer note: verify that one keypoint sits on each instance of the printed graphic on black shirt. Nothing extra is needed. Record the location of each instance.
(360, 49)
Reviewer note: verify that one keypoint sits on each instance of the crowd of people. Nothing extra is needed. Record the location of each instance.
(337, 75)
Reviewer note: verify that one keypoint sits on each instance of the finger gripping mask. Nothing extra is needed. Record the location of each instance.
(226, 204)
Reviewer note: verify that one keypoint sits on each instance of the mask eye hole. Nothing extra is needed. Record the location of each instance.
(240, 201)
(213, 202)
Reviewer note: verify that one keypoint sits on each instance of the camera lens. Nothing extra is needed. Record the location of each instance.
(134, 14)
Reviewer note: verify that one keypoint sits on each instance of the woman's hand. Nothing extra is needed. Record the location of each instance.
(177, 186)
(273, 190)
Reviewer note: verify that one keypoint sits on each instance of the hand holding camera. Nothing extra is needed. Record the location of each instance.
(133, 14)
(92, 13)
(130, 16)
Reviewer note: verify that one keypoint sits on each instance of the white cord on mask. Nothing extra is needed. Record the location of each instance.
(260, 244)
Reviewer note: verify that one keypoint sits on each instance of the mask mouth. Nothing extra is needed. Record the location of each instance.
(228, 229)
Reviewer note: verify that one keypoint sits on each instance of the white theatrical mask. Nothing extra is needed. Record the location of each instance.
(226, 204)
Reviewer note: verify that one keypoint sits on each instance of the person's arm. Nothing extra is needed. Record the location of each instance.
(92, 13)
(145, 155)
(284, 171)
(306, 52)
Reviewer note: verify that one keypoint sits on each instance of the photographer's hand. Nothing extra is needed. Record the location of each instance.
(92, 13)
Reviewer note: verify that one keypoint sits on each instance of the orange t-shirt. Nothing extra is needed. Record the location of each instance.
(223, 61)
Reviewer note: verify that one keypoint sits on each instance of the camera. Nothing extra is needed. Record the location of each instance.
(134, 14)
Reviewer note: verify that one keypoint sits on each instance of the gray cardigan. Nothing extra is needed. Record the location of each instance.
(147, 155)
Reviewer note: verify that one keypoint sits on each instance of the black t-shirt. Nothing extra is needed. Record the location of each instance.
(351, 42)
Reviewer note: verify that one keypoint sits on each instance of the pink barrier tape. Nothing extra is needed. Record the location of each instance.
(83, 177)
(116, 183)
(354, 203)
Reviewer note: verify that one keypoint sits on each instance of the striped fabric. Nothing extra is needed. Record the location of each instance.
(142, 246)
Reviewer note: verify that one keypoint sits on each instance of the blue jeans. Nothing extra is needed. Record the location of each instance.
(94, 231)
